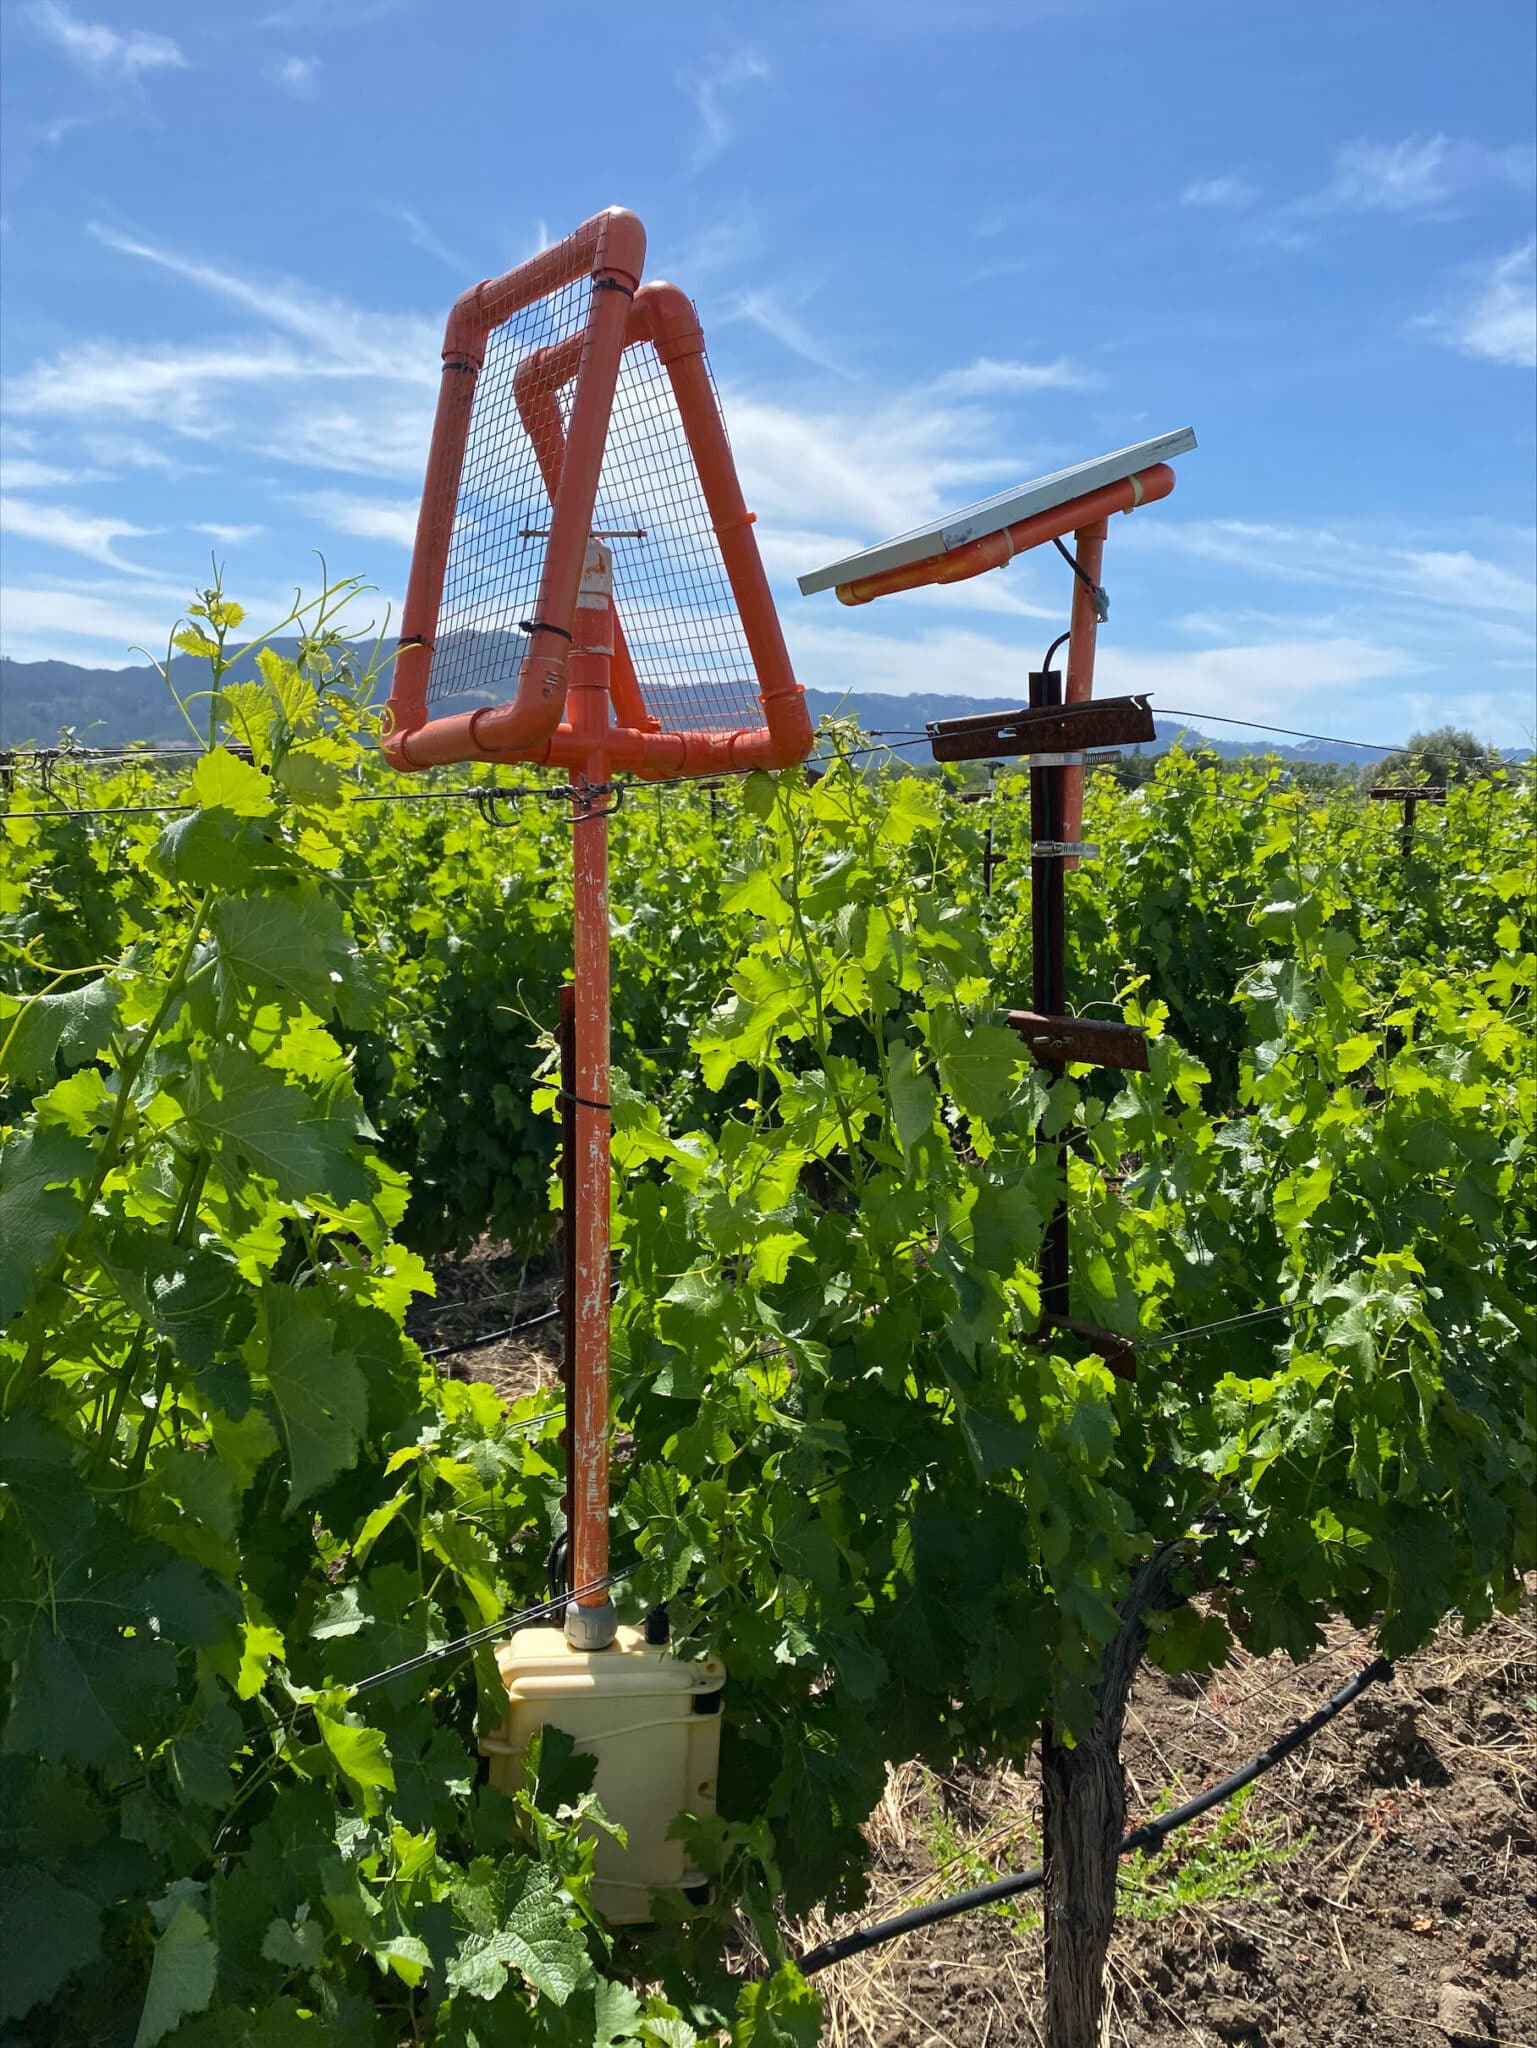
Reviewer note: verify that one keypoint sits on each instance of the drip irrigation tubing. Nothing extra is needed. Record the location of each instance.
(1148, 1836)
(485, 1337)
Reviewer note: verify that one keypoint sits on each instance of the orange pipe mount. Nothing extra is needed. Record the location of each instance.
(993, 550)
(591, 1621)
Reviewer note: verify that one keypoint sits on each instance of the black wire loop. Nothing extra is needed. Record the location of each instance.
(488, 801)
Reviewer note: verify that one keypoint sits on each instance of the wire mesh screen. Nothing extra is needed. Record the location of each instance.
(502, 518)
(671, 592)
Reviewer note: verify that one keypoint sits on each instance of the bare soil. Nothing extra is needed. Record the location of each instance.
(1381, 1884)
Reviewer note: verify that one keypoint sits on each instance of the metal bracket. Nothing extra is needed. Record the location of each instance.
(1084, 1041)
(1063, 849)
(1043, 728)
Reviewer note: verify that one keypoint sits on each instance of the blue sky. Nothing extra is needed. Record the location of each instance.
(937, 248)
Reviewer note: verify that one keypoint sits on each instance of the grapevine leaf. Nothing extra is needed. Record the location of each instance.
(181, 1978)
(37, 1206)
(37, 1472)
(72, 1025)
(977, 1063)
(318, 1392)
(191, 1294)
(512, 1918)
(361, 1751)
(223, 782)
(280, 943)
(94, 1657)
(48, 1930)
(220, 850)
(781, 2012)
(914, 1099)
(278, 1129)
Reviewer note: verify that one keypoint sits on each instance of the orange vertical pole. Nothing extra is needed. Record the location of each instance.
(590, 1617)
(1083, 624)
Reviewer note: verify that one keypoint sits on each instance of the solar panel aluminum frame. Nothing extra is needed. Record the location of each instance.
(1012, 521)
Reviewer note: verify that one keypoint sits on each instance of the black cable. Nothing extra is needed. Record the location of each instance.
(1096, 590)
(1259, 1315)
(1060, 641)
(1145, 1837)
(503, 1625)
(1253, 725)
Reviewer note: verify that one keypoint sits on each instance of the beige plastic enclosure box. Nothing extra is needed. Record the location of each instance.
(654, 1725)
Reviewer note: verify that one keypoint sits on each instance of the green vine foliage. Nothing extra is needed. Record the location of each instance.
(232, 1494)
(912, 1524)
(229, 1491)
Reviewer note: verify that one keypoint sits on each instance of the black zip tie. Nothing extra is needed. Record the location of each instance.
(543, 626)
(612, 284)
(1145, 1837)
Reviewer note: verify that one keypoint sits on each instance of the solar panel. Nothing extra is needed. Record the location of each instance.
(992, 515)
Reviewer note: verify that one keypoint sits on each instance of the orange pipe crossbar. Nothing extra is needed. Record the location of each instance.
(992, 550)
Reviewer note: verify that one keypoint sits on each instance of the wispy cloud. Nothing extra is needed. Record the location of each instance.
(80, 533)
(866, 470)
(1495, 319)
(298, 75)
(367, 518)
(1443, 578)
(373, 344)
(274, 392)
(22, 473)
(763, 310)
(168, 385)
(1226, 194)
(992, 377)
(420, 236)
(229, 536)
(1421, 177)
(710, 90)
(108, 54)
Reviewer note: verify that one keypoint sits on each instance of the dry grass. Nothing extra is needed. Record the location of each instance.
(1317, 1825)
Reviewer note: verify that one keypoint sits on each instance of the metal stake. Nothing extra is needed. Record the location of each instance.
(1048, 934)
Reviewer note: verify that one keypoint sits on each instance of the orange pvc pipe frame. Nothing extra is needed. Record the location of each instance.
(531, 727)
(611, 248)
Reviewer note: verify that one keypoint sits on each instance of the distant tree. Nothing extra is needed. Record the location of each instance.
(1449, 754)
(1320, 777)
